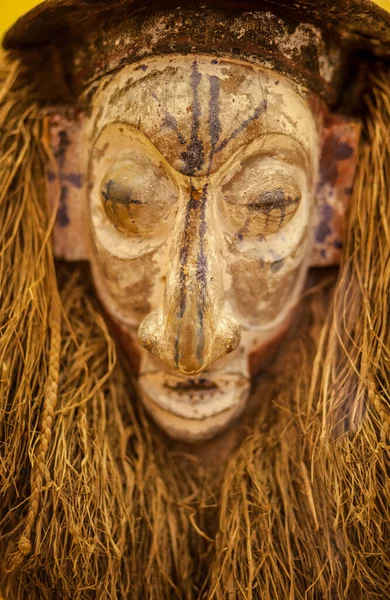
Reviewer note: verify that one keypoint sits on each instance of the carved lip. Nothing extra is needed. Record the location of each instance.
(194, 384)
(195, 398)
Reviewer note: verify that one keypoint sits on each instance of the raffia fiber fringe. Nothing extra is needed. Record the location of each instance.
(94, 503)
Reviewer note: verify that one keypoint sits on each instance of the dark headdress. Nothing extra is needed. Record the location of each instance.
(66, 36)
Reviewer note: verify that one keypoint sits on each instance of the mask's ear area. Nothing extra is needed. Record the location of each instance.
(339, 147)
(67, 185)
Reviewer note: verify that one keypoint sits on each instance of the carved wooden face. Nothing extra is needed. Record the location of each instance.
(200, 194)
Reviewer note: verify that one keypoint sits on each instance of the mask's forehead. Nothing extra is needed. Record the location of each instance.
(198, 111)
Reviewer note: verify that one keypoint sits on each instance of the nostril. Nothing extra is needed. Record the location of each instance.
(227, 338)
(148, 332)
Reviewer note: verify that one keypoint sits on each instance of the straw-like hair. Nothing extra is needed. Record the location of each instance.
(94, 501)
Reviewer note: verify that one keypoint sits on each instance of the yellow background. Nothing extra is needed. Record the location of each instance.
(10, 10)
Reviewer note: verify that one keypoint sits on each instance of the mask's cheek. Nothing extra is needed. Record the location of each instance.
(128, 288)
(262, 297)
(262, 294)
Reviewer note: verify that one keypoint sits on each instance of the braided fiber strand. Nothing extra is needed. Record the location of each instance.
(49, 405)
(28, 288)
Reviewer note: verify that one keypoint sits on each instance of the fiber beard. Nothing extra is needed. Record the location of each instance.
(95, 503)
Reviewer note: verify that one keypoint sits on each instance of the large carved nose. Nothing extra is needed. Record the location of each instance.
(191, 331)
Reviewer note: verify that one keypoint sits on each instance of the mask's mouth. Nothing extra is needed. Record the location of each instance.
(194, 408)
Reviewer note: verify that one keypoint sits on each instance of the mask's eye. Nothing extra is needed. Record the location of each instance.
(137, 195)
(262, 197)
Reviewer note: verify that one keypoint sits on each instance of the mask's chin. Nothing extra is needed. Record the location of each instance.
(197, 408)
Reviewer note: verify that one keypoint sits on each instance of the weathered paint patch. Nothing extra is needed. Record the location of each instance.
(340, 140)
(66, 181)
(323, 229)
(335, 150)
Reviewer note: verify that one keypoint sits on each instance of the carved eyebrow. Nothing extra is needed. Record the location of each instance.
(294, 155)
(273, 145)
(286, 148)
